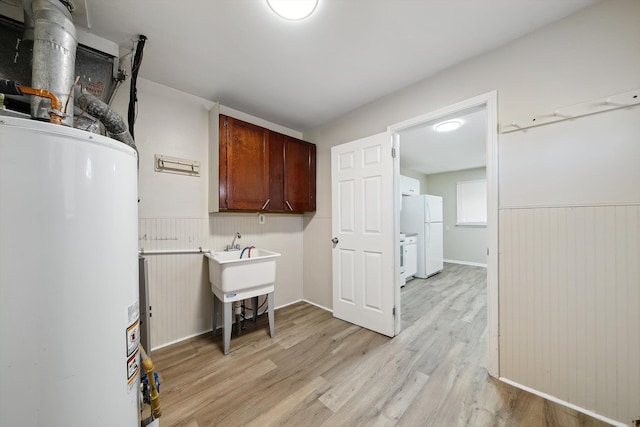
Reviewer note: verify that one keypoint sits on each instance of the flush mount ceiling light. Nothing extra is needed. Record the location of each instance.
(293, 10)
(448, 126)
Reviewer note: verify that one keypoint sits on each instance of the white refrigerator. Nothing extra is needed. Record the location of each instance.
(423, 215)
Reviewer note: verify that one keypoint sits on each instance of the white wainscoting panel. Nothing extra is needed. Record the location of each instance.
(570, 304)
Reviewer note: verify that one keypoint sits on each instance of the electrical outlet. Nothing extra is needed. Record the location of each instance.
(261, 219)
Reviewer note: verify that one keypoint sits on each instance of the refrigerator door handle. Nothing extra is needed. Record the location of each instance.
(428, 233)
(428, 211)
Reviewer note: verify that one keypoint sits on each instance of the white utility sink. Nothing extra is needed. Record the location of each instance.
(228, 273)
(233, 279)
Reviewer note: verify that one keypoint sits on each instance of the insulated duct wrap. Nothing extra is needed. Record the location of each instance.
(54, 56)
(112, 121)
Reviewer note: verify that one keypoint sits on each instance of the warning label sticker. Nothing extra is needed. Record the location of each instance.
(133, 344)
(133, 338)
(133, 368)
(133, 312)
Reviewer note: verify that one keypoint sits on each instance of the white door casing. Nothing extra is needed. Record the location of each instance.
(363, 230)
(490, 101)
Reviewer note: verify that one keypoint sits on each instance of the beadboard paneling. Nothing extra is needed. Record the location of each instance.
(569, 304)
(179, 289)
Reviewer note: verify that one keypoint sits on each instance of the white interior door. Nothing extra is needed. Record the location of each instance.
(363, 233)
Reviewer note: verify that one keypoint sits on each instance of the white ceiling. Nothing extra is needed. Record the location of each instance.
(305, 73)
(426, 151)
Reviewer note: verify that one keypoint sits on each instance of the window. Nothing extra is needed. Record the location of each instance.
(471, 205)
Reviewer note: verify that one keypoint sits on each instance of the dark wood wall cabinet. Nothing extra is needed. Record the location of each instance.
(265, 171)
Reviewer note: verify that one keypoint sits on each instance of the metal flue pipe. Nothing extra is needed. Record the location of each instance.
(54, 55)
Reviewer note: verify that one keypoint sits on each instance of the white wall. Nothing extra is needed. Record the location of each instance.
(597, 165)
(589, 55)
(585, 56)
(173, 212)
(466, 244)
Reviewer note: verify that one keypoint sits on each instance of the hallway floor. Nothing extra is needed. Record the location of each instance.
(321, 371)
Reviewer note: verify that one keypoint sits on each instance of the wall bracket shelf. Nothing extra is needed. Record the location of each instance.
(621, 100)
(176, 165)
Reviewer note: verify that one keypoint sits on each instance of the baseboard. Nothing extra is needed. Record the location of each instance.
(167, 344)
(474, 264)
(220, 327)
(563, 403)
(288, 304)
(318, 305)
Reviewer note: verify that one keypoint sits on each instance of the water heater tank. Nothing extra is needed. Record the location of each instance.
(69, 351)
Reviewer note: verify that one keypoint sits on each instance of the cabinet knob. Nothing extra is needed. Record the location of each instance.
(335, 241)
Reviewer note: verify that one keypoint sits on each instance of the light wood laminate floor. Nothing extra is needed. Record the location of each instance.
(321, 371)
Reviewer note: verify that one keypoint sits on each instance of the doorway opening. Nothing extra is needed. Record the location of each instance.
(458, 171)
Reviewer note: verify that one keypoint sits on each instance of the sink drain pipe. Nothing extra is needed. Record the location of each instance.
(237, 308)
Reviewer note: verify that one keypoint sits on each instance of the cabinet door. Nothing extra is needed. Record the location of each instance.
(244, 165)
(299, 175)
(276, 172)
(409, 186)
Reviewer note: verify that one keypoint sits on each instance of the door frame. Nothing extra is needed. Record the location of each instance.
(490, 101)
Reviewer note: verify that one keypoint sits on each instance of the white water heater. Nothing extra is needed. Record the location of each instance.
(69, 314)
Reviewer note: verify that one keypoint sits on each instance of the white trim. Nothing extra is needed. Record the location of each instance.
(167, 344)
(397, 197)
(317, 305)
(490, 101)
(288, 304)
(570, 205)
(473, 264)
(563, 403)
(493, 167)
(476, 101)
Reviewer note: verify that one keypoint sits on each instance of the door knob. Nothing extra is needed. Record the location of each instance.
(335, 240)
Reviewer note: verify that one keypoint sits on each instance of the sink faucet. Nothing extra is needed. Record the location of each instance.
(233, 246)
